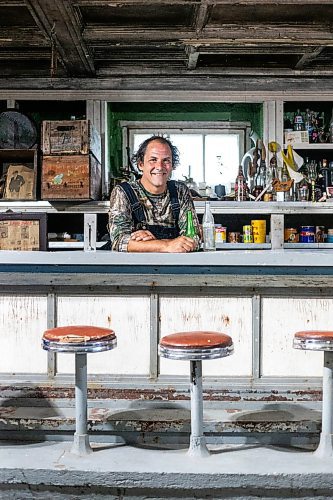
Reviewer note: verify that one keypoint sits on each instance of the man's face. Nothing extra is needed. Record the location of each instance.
(156, 167)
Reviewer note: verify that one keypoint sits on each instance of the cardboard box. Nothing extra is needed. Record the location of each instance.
(72, 178)
(297, 137)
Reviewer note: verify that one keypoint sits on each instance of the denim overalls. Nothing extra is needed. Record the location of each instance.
(140, 222)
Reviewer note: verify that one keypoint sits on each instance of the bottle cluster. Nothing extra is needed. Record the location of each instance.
(319, 129)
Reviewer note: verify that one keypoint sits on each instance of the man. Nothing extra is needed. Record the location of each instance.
(150, 215)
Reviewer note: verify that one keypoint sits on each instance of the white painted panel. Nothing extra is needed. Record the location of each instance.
(127, 316)
(23, 320)
(227, 315)
(281, 319)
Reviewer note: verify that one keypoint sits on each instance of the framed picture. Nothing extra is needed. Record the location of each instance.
(18, 174)
(23, 231)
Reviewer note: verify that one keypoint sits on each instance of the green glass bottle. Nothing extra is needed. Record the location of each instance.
(190, 228)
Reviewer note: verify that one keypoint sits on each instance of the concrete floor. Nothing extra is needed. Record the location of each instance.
(48, 470)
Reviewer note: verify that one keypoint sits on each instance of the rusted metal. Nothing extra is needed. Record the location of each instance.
(98, 391)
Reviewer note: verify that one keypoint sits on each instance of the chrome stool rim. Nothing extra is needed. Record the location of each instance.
(195, 354)
(312, 344)
(77, 348)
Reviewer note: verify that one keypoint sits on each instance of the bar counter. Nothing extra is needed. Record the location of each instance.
(254, 268)
(259, 297)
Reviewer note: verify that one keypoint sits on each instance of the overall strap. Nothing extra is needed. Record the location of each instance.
(174, 200)
(136, 206)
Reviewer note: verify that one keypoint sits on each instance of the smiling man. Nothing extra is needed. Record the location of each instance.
(149, 215)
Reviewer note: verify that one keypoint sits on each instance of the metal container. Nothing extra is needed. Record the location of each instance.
(307, 234)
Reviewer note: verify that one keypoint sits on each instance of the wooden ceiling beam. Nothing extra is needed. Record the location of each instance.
(308, 57)
(58, 21)
(201, 16)
(309, 34)
(193, 56)
(22, 37)
(119, 3)
(254, 85)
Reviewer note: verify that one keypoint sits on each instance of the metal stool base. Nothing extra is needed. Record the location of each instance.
(325, 447)
(198, 447)
(81, 445)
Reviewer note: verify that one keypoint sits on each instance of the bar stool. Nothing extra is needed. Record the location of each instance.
(195, 347)
(318, 340)
(79, 340)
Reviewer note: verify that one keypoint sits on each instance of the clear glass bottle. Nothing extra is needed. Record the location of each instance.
(208, 227)
(298, 121)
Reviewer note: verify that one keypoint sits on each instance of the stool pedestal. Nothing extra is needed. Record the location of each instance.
(81, 445)
(80, 340)
(325, 447)
(198, 445)
(195, 347)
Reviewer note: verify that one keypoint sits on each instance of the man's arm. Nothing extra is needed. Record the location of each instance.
(120, 220)
(182, 244)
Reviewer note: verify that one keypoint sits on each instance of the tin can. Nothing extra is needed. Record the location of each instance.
(320, 234)
(268, 197)
(247, 234)
(307, 234)
(259, 231)
(291, 235)
(234, 237)
(220, 234)
(329, 236)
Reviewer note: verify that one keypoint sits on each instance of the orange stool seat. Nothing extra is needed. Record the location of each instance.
(195, 347)
(77, 338)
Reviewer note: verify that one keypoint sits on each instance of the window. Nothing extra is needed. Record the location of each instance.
(210, 152)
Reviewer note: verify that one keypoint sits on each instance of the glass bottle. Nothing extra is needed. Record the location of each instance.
(303, 190)
(190, 227)
(298, 121)
(330, 131)
(240, 186)
(208, 227)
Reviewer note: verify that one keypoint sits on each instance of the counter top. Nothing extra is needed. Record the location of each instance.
(239, 258)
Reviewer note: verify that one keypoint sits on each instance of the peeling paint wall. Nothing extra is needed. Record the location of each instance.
(127, 316)
(228, 315)
(23, 319)
(281, 319)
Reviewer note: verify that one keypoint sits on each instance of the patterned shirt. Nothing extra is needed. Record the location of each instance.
(157, 209)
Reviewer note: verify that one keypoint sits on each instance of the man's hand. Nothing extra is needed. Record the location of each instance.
(182, 244)
(142, 235)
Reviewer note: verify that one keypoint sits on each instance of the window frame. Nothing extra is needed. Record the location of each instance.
(242, 128)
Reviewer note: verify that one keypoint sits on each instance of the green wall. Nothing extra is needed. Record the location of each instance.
(175, 111)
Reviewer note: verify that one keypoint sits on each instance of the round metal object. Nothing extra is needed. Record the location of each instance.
(313, 344)
(17, 131)
(84, 347)
(192, 354)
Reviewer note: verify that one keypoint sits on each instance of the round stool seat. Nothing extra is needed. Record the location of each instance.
(79, 339)
(315, 340)
(196, 345)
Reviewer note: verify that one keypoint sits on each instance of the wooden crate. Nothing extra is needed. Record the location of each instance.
(70, 137)
(18, 174)
(74, 177)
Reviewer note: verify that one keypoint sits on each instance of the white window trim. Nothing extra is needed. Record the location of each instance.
(130, 128)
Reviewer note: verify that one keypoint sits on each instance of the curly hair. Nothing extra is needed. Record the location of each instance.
(139, 155)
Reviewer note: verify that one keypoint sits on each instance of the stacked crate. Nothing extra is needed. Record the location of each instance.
(71, 163)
